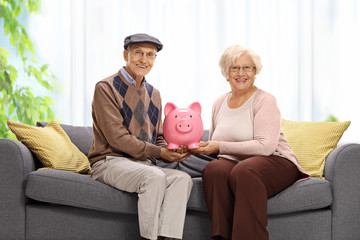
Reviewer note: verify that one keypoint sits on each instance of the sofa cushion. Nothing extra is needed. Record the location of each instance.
(312, 142)
(78, 190)
(313, 193)
(196, 200)
(309, 194)
(52, 146)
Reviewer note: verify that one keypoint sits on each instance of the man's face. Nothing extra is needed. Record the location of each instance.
(139, 59)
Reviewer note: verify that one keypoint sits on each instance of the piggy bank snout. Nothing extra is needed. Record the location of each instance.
(184, 126)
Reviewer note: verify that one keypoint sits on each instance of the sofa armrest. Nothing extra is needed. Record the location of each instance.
(16, 162)
(342, 170)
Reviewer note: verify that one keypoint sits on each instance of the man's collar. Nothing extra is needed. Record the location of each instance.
(129, 78)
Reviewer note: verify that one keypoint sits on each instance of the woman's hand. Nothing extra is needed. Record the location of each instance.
(182, 149)
(177, 155)
(207, 148)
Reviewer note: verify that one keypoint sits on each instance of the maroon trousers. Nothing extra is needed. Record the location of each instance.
(236, 194)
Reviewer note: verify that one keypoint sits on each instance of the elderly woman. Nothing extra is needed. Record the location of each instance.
(254, 161)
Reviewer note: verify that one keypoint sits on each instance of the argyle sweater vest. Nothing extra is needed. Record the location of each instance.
(140, 109)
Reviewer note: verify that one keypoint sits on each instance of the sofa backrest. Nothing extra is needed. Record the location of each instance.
(82, 137)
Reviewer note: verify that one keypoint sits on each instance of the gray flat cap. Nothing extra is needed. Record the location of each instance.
(142, 38)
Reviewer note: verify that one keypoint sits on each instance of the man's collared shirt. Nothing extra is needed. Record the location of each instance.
(129, 78)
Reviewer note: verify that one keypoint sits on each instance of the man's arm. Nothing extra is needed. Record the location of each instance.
(107, 116)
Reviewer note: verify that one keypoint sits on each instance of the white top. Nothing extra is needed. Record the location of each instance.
(234, 125)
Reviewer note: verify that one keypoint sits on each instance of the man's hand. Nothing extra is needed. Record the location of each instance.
(207, 148)
(174, 156)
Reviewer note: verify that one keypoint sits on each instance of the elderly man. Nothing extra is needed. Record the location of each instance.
(127, 126)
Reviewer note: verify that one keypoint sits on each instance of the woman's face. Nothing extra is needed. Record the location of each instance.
(242, 74)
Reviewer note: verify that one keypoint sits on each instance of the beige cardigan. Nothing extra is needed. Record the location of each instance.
(268, 136)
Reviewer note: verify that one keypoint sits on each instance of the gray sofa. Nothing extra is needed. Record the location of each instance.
(54, 204)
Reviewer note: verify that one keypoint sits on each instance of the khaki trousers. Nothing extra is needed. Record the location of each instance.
(163, 193)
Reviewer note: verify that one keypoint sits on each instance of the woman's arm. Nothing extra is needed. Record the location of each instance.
(267, 120)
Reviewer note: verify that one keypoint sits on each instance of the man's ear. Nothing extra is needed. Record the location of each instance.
(126, 55)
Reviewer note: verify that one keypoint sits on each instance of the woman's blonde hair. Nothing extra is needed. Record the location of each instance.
(232, 53)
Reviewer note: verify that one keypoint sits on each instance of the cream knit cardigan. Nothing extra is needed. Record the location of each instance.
(268, 136)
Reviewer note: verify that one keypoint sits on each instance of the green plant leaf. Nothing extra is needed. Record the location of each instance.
(4, 52)
(18, 102)
(13, 39)
(331, 118)
(33, 59)
(44, 68)
(11, 109)
(7, 29)
(17, 11)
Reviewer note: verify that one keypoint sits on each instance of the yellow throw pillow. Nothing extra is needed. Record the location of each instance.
(312, 142)
(52, 146)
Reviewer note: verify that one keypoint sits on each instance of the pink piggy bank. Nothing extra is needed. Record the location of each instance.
(183, 126)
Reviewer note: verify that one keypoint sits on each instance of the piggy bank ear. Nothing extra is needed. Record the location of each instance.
(196, 107)
(169, 107)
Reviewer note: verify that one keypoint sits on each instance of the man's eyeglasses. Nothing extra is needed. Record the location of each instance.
(245, 68)
(138, 54)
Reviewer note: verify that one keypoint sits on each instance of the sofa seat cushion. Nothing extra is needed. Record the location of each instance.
(313, 193)
(78, 190)
(309, 194)
(196, 200)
